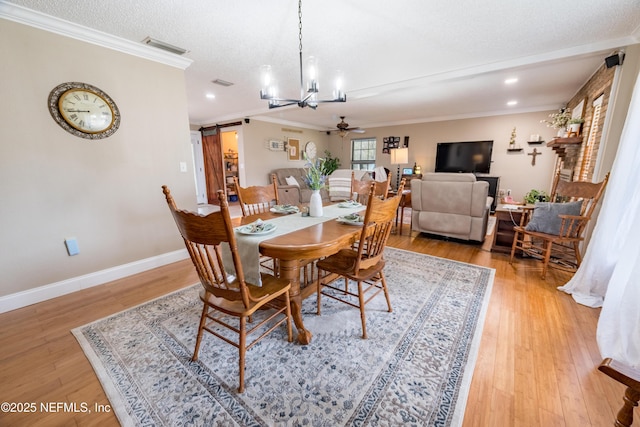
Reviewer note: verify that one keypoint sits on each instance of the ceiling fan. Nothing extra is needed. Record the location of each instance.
(344, 129)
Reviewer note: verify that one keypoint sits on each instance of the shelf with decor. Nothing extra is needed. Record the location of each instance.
(560, 145)
(231, 171)
(514, 150)
(535, 142)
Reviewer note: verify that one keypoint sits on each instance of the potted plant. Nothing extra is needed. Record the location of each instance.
(574, 125)
(534, 196)
(330, 163)
(559, 120)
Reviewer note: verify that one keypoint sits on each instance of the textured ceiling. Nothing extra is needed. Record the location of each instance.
(403, 62)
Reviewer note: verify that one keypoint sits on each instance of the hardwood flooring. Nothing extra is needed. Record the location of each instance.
(537, 364)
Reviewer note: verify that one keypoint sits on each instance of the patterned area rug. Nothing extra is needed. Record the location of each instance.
(414, 369)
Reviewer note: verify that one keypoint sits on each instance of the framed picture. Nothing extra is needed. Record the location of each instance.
(275, 145)
(293, 149)
(407, 171)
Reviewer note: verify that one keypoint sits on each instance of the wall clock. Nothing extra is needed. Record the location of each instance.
(310, 150)
(84, 110)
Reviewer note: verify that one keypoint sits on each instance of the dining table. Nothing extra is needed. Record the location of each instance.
(306, 239)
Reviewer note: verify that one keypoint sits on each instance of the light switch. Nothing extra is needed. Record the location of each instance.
(183, 166)
(72, 246)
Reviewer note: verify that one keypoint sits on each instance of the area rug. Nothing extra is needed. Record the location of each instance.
(414, 369)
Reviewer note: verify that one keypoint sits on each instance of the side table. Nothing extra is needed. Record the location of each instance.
(506, 219)
(405, 201)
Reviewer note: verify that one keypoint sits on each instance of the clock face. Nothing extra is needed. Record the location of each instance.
(310, 150)
(84, 110)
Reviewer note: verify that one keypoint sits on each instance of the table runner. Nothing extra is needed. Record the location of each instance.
(249, 245)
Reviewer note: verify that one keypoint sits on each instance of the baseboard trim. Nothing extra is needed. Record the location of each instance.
(67, 286)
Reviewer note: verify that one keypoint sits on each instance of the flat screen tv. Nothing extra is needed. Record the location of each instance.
(468, 156)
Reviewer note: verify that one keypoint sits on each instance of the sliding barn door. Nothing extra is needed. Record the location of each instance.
(214, 173)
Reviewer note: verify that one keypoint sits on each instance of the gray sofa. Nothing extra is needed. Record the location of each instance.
(453, 205)
(295, 194)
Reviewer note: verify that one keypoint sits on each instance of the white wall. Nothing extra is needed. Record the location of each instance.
(106, 193)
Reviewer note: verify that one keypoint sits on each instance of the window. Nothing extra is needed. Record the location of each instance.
(363, 154)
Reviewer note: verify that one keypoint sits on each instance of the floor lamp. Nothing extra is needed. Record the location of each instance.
(399, 156)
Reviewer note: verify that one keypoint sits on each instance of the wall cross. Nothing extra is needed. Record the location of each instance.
(534, 153)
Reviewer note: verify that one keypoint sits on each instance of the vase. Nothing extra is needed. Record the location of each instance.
(315, 204)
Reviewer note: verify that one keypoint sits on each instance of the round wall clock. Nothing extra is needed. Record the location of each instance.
(310, 150)
(84, 110)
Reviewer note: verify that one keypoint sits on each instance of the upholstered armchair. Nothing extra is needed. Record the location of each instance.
(452, 205)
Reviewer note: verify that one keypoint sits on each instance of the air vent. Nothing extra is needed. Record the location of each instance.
(222, 82)
(164, 46)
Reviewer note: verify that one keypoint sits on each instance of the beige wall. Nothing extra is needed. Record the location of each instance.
(106, 193)
(257, 161)
(514, 169)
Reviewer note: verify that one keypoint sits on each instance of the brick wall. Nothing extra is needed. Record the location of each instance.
(599, 84)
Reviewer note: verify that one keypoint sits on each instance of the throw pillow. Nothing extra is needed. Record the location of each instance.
(339, 188)
(545, 217)
(291, 180)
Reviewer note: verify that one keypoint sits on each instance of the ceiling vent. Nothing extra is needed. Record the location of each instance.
(222, 82)
(164, 46)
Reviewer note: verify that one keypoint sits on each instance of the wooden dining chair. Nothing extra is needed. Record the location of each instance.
(256, 199)
(363, 262)
(362, 187)
(228, 303)
(546, 233)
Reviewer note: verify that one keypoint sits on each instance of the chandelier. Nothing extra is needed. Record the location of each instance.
(308, 95)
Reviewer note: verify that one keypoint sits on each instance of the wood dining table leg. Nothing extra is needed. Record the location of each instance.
(290, 269)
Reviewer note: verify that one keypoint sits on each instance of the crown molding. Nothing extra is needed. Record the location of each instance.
(23, 15)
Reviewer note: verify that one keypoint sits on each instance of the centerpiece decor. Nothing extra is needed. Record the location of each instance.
(559, 120)
(316, 180)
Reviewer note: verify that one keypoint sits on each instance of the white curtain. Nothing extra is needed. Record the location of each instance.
(609, 275)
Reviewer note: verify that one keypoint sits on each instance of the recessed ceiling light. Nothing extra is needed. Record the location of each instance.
(511, 81)
(511, 103)
(210, 96)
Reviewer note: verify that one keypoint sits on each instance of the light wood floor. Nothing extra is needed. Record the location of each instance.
(536, 366)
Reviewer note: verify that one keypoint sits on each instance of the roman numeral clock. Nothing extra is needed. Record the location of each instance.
(84, 110)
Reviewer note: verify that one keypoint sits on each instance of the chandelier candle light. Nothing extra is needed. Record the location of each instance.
(308, 96)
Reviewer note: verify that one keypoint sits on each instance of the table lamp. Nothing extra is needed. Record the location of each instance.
(399, 156)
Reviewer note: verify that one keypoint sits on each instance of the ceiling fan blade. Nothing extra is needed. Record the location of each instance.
(356, 130)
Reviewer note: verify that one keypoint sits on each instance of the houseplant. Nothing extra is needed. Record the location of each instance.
(330, 163)
(534, 196)
(574, 125)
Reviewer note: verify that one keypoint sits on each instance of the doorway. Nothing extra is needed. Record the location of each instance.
(232, 147)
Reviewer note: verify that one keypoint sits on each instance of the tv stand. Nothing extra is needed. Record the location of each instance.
(494, 185)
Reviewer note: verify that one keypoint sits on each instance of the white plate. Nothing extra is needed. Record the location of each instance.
(349, 221)
(248, 229)
(349, 204)
(285, 209)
